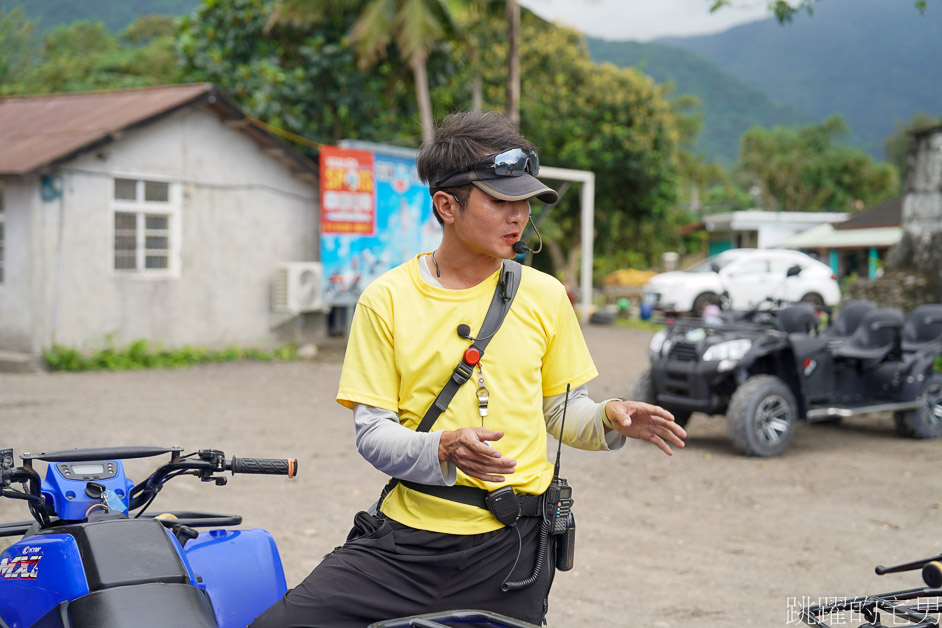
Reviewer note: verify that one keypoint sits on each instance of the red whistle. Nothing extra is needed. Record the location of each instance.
(472, 356)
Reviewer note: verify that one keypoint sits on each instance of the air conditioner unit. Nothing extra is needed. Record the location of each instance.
(298, 287)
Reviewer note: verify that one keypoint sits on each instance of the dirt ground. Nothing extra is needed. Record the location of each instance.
(706, 537)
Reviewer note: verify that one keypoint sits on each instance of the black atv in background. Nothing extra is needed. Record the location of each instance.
(767, 370)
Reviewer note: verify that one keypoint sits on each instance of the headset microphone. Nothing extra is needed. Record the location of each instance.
(520, 247)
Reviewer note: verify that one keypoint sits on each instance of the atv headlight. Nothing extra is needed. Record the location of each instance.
(731, 350)
(657, 343)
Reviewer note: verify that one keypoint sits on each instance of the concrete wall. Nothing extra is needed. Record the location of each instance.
(240, 212)
(21, 311)
(922, 204)
(913, 267)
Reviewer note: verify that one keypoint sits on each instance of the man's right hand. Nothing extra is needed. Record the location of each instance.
(468, 449)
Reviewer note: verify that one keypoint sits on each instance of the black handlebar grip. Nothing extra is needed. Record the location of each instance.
(265, 466)
(932, 574)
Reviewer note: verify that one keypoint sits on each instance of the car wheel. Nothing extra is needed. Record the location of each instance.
(705, 299)
(643, 390)
(926, 420)
(762, 416)
(814, 299)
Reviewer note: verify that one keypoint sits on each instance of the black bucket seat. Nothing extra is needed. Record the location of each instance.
(922, 328)
(876, 338)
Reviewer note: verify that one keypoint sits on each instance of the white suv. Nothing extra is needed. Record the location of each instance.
(747, 277)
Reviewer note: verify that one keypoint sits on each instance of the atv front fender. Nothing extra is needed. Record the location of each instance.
(241, 570)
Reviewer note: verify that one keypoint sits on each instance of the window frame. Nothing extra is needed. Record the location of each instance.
(141, 209)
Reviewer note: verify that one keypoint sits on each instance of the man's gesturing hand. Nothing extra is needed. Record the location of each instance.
(466, 449)
(645, 421)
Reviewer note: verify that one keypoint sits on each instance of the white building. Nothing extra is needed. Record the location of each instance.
(156, 213)
(760, 229)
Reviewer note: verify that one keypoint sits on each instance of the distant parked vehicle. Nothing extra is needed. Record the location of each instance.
(740, 279)
(771, 367)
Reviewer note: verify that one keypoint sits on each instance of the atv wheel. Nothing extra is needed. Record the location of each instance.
(643, 390)
(926, 420)
(705, 299)
(762, 416)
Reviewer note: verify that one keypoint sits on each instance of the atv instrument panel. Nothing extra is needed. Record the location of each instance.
(85, 471)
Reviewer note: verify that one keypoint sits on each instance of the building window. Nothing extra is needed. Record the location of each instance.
(144, 219)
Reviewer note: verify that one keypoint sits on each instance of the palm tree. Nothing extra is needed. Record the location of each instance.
(413, 25)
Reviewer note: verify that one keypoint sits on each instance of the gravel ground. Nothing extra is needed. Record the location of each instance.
(706, 537)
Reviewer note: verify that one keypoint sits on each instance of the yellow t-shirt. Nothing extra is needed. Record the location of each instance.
(403, 347)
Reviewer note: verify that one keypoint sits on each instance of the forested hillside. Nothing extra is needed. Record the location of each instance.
(876, 62)
(116, 14)
(729, 107)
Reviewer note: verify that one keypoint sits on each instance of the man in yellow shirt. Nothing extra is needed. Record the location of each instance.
(426, 549)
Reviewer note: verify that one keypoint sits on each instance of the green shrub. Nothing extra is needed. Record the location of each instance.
(140, 354)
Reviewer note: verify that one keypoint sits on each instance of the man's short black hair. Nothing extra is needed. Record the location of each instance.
(461, 140)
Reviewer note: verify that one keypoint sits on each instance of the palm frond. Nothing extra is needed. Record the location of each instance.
(374, 30)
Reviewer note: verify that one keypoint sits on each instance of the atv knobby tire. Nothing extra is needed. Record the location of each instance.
(926, 420)
(643, 390)
(762, 416)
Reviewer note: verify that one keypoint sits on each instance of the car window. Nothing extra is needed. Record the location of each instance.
(707, 265)
(781, 266)
(750, 267)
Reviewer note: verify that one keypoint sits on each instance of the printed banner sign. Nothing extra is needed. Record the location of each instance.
(348, 201)
(402, 221)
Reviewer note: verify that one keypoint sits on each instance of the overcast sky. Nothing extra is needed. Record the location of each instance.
(643, 20)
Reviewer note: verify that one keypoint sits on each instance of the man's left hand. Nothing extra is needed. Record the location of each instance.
(645, 421)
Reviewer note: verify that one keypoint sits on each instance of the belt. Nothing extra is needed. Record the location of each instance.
(530, 505)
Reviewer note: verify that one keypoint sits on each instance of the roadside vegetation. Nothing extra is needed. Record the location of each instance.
(144, 355)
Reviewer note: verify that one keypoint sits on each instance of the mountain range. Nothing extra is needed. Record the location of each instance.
(876, 62)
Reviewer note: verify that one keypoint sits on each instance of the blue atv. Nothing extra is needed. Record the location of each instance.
(916, 608)
(93, 556)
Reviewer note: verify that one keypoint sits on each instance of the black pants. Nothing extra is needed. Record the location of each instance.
(387, 570)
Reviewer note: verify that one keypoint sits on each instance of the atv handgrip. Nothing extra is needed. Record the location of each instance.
(265, 466)
(932, 574)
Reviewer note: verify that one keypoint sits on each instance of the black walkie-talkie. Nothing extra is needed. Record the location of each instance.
(557, 507)
(558, 501)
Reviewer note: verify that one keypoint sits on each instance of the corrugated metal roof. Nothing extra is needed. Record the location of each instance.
(39, 131)
(886, 214)
(827, 237)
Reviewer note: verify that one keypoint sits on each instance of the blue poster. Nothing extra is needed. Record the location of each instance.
(405, 225)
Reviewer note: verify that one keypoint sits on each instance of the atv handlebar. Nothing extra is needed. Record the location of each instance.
(264, 466)
(206, 464)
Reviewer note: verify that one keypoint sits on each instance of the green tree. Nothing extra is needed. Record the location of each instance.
(807, 169)
(19, 48)
(302, 77)
(413, 25)
(84, 56)
(613, 121)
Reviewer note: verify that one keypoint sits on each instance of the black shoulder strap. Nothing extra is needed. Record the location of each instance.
(500, 304)
(503, 298)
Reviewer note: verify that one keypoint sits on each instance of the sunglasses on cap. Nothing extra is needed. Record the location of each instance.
(509, 163)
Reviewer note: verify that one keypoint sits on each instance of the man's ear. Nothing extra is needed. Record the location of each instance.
(446, 205)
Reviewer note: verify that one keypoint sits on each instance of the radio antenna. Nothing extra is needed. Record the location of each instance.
(559, 445)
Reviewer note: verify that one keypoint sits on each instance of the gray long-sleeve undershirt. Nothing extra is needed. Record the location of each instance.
(406, 454)
(409, 455)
